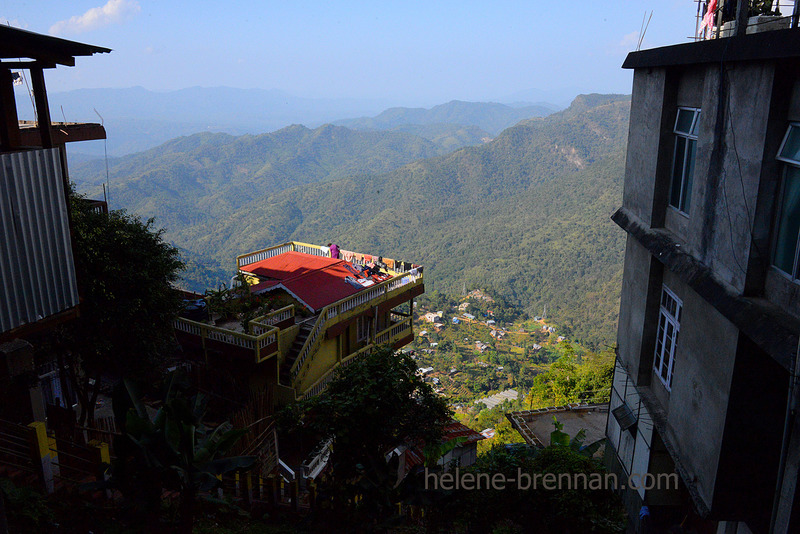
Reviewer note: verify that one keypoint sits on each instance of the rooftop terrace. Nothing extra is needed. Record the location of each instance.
(535, 426)
(300, 284)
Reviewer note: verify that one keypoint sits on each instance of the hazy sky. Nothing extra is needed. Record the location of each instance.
(411, 52)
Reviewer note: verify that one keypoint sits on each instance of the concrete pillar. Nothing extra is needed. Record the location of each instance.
(273, 490)
(52, 444)
(248, 487)
(40, 453)
(294, 492)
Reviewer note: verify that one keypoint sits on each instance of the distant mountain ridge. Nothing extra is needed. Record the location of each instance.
(137, 119)
(488, 116)
(526, 215)
(193, 179)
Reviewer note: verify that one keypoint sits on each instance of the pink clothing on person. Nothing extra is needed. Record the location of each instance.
(335, 251)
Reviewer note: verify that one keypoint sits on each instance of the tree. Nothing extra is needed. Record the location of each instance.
(372, 406)
(125, 270)
(532, 509)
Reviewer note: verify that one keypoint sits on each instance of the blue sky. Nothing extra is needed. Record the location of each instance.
(409, 52)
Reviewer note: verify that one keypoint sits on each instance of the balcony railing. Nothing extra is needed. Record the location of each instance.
(712, 26)
(394, 332)
(265, 323)
(336, 311)
(263, 330)
(256, 342)
(291, 246)
(320, 385)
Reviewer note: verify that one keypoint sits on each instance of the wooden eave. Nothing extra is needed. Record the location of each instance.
(16, 44)
(61, 133)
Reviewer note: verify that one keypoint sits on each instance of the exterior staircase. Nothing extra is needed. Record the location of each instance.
(294, 351)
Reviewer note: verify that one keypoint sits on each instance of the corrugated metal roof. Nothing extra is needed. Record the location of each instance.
(37, 273)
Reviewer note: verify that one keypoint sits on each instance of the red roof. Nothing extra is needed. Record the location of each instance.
(414, 456)
(314, 280)
(455, 430)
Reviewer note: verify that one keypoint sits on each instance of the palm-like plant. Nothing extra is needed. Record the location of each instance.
(172, 450)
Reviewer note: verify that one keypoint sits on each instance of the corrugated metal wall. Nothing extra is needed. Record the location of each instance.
(37, 273)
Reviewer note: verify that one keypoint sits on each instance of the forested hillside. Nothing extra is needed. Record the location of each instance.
(202, 178)
(525, 215)
(448, 137)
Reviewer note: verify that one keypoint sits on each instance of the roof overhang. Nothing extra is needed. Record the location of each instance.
(61, 133)
(43, 51)
(770, 45)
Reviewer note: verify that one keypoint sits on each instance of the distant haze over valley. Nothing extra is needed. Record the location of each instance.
(137, 119)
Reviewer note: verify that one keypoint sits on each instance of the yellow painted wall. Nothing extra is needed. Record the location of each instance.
(286, 337)
(324, 359)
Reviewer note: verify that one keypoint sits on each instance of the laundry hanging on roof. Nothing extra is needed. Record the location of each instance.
(708, 18)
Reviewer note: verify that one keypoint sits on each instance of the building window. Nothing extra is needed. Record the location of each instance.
(363, 326)
(669, 324)
(785, 252)
(686, 125)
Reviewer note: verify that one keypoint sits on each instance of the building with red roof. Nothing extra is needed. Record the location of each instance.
(314, 313)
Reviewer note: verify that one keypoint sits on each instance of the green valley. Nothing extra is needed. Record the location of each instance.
(525, 215)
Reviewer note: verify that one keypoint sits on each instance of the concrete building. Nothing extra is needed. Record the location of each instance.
(710, 304)
(316, 314)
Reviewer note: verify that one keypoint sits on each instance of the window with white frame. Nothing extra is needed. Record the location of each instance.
(686, 124)
(785, 248)
(669, 324)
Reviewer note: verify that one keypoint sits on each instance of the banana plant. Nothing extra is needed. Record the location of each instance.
(173, 449)
(560, 438)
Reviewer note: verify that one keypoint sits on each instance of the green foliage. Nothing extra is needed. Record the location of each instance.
(125, 272)
(372, 406)
(558, 437)
(763, 7)
(26, 510)
(533, 509)
(526, 215)
(566, 381)
(173, 449)
(239, 303)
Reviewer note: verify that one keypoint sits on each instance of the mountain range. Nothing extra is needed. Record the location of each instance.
(137, 119)
(525, 215)
(490, 117)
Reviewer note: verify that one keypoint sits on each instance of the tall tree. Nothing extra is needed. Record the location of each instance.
(125, 272)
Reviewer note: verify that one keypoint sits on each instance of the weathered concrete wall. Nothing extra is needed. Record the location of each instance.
(633, 303)
(696, 406)
(644, 136)
(731, 209)
(690, 90)
(730, 149)
(691, 86)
